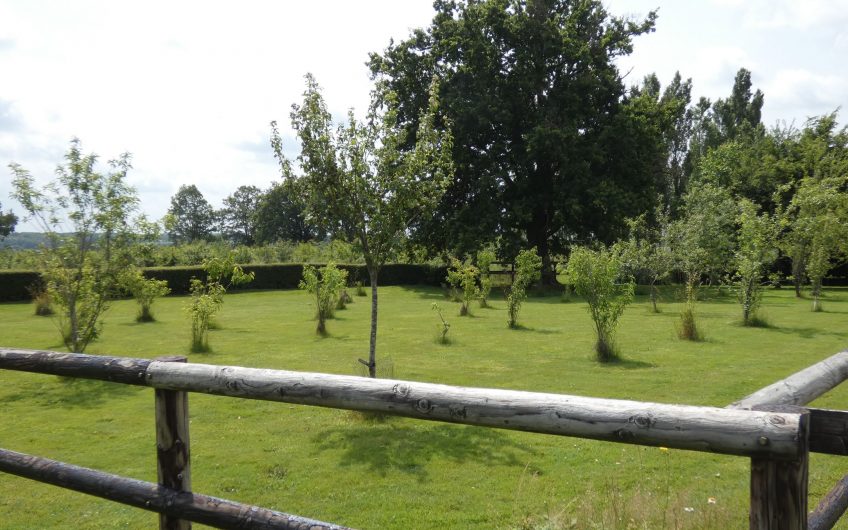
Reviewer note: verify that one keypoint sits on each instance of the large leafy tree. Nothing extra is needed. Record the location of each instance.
(546, 149)
(360, 182)
(190, 217)
(86, 217)
(238, 218)
(8, 221)
(281, 215)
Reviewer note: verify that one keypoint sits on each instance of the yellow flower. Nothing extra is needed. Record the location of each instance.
(664, 449)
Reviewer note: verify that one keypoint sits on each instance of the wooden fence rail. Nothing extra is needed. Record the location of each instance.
(211, 511)
(776, 436)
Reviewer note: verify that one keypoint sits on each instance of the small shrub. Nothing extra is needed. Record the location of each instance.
(145, 291)
(443, 327)
(594, 274)
(463, 279)
(42, 300)
(344, 299)
(687, 328)
(208, 297)
(206, 300)
(528, 265)
(326, 284)
(484, 261)
(360, 291)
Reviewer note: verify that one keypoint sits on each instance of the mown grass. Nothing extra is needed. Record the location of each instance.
(401, 473)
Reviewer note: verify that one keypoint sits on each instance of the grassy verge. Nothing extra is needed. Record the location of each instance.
(337, 466)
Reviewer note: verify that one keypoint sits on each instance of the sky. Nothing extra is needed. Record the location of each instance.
(189, 87)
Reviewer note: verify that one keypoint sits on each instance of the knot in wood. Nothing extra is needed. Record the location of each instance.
(777, 420)
(457, 411)
(401, 390)
(232, 385)
(643, 422)
(423, 405)
(624, 435)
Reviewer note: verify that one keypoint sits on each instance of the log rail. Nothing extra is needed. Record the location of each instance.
(769, 427)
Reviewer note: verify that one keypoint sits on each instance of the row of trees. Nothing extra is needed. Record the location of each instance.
(249, 216)
(551, 149)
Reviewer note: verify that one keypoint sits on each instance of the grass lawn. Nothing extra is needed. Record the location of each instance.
(336, 466)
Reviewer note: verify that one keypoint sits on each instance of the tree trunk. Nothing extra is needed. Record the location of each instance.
(372, 348)
(816, 294)
(654, 296)
(537, 236)
(797, 276)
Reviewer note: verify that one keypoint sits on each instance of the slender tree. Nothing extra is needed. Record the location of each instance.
(817, 228)
(702, 243)
(755, 252)
(361, 183)
(646, 254)
(86, 218)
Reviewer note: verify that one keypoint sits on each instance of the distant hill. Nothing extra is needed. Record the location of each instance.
(26, 240)
(22, 240)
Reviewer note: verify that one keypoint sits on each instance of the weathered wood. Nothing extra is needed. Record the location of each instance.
(779, 487)
(709, 429)
(102, 367)
(684, 427)
(172, 445)
(830, 508)
(212, 511)
(802, 387)
(829, 431)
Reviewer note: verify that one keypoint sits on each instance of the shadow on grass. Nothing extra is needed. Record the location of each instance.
(75, 393)
(541, 331)
(627, 364)
(385, 446)
(807, 332)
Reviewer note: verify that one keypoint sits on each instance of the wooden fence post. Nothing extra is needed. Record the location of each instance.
(172, 445)
(779, 487)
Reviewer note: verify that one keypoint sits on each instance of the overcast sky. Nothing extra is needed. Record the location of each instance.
(190, 87)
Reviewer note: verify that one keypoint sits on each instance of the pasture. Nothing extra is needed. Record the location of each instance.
(338, 466)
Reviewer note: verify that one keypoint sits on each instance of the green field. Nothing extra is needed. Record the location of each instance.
(336, 466)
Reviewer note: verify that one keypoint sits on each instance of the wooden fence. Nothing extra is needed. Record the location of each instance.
(770, 427)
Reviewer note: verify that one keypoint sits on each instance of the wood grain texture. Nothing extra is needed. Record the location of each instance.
(801, 387)
(749, 433)
(830, 508)
(173, 462)
(829, 431)
(779, 487)
(219, 513)
(105, 368)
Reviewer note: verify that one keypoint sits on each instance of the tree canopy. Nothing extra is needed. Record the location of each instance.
(547, 148)
(190, 217)
(8, 221)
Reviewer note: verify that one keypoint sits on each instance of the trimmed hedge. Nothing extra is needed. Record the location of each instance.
(288, 275)
(16, 285)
